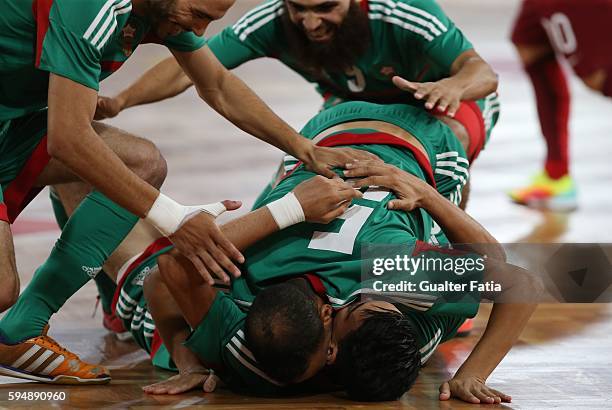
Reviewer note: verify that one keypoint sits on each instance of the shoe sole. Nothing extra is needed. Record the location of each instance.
(61, 379)
(548, 205)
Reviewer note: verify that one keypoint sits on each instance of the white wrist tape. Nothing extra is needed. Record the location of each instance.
(287, 211)
(168, 215)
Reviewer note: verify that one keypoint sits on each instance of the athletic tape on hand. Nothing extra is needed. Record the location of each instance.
(168, 215)
(287, 211)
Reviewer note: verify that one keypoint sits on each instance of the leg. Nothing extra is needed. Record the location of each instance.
(94, 231)
(140, 155)
(8, 268)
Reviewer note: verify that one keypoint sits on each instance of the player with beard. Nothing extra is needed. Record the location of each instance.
(53, 55)
(382, 51)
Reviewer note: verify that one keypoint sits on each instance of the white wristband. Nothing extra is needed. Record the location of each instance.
(167, 215)
(287, 211)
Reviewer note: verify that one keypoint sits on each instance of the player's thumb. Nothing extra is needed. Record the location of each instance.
(445, 391)
(403, 84)
(231, 205)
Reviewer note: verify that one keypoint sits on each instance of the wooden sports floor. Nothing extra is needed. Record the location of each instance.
(563, 359)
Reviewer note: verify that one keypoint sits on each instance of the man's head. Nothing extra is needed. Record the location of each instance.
(370, 345)
(172, 17)
(326, 34)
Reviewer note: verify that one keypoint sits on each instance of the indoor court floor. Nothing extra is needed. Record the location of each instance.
(563, 359)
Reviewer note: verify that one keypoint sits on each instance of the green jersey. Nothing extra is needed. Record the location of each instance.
(332, 258)
(413, 39)
(410, 38)
(84, 41)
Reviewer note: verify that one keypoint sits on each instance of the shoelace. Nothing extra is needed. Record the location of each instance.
(48, 340)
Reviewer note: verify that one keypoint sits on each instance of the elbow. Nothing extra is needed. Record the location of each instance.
(61, 143)
(492, 81)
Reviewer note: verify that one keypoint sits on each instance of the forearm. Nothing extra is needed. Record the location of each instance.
(505, 325)
(164, 80)
(459, 227)
(170, 323)
(241, 106)
(475, 78)
(250, 228)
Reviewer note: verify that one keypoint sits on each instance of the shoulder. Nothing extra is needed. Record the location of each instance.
(263, 16)
(419, 17)
(94, 20)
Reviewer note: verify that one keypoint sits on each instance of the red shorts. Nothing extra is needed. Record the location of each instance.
(23, 157)
(578, 29)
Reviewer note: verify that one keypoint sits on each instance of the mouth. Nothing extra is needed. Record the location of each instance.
(321, 36)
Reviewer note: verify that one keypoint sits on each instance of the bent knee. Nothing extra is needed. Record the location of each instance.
(150, 164)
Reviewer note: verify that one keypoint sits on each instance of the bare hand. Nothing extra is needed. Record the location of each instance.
(107, 107)
(324, 199)
(441, 95)
(472, 390)
(324, 159)
(409, 189)
(177, 384)
(200, 240)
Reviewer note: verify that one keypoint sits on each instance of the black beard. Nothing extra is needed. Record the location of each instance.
(350, 41)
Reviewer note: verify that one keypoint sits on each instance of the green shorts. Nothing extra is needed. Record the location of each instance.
(130, 306)
(23, 156)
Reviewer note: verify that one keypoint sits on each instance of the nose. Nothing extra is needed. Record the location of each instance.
(311, 22)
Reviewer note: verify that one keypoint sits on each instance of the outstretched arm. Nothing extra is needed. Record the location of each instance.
(508, 317)
(165, 80)
(471, 78)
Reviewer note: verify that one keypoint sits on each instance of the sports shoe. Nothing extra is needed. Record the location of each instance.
(113, 324)
(547, 193)
(42, 359)
(466, 328)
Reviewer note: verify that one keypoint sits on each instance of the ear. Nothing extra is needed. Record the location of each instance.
(327, 314)
(332, 353)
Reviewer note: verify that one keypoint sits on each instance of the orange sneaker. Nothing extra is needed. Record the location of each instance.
(466, 328)
(42, 359)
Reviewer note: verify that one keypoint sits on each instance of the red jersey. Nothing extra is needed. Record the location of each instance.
(580, 30)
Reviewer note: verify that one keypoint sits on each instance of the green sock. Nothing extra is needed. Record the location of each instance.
(94, 231)
(106, 286)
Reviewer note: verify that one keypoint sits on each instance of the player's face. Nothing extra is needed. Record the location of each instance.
(192, 15)
(346, 320)
(319, 19)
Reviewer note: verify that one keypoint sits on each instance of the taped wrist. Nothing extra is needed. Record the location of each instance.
(168, 216)
(287, 211)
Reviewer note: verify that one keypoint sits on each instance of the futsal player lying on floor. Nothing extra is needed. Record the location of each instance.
(311, 312)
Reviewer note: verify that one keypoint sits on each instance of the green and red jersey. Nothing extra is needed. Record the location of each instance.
(84, 41)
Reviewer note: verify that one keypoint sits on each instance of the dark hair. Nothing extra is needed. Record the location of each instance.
(380, 360)
(283, 330)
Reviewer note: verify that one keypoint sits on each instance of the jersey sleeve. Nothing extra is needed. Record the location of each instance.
(253, 36)
(186, 42)
(424, 22)
(72, 34)
(432, 330)
(219, 342)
